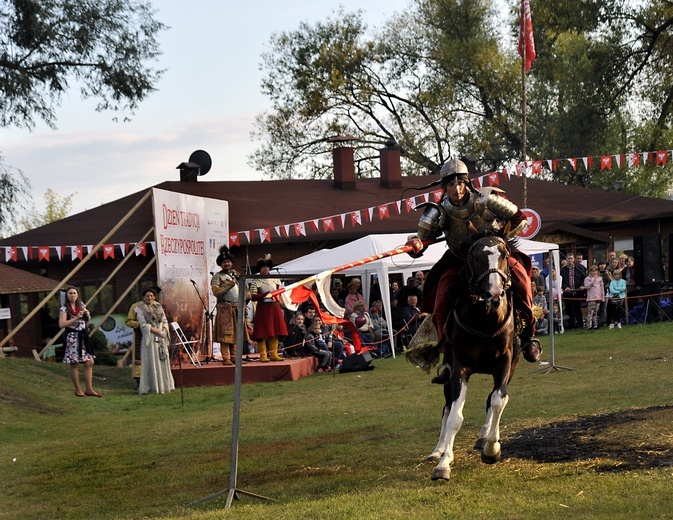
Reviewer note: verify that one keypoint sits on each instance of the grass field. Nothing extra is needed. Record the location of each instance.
(596, 442)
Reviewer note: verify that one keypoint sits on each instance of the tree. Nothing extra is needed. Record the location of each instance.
(442, 79)
(56, 207)
(14, 191)
(103, 47)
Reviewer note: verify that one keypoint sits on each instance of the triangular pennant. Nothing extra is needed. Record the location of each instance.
(370, 213)
(234, 239)
(520, 169)
(108, 251)
(356, 218)
(537, 167)
(493, 179)
(550, 165)
(384, 211)
(437, 195)
(264, 235)
(573, 162)
(634, 159)
(343, 220)
(27, 252)
(122, 249)
(141, 250)
(606, 162)
(662, 157)
(300, 229)
(247, 236)
(425, 197)
(398, 205)
(11, 254)
(505, 173)
(153, 245)
(59, 252)
(618, 159)
(315, 224)
(43, 253)
(328, 224)
(477, 182)
(75, 252)
(410, 204)
(646, 156)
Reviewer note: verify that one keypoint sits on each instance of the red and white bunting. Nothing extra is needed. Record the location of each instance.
(234, 240)
(356, 218)
(537, 167)
(315, 225)
(43, 253)
(573, 163)
(141, 250)
(384, 211)
(410, 204)
(11, 254)
(606, 162)
(370, 214)
(437, 195)
(662, 157)
(300, 229)
(634, 159)
(75, 252)
(328, 224)
(618, 160)
(108, 251)
(493, 179)
(122, 249)
(264, 235)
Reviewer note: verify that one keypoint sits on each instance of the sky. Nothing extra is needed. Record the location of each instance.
(207, 100)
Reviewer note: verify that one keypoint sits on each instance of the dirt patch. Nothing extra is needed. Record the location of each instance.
(627, 440)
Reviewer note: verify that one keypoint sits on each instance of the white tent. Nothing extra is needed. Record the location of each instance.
(372, 245)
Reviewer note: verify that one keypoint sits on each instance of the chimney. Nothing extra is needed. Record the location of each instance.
(344, 162)
(189, 171)
(391, 171)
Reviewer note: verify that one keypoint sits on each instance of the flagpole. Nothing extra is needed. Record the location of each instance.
(523, 105)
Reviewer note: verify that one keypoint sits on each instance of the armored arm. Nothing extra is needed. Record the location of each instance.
(430, 226)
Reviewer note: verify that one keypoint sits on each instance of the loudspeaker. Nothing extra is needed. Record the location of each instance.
(357, 362)
(647, 256)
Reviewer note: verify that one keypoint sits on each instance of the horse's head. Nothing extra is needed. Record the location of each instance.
(488, 269)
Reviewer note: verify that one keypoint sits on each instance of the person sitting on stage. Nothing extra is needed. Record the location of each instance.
(269, 318)
(225, 288)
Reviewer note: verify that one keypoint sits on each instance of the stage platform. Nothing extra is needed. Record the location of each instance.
(215, 373)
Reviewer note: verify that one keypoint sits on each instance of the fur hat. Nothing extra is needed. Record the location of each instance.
(265, 261)
(225, 254)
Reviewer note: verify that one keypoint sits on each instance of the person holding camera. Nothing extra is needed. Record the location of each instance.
(74, 318)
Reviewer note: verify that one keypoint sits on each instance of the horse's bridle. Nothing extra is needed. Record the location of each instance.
(473, 283)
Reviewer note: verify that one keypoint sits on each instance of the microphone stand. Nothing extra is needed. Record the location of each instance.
(209, 315)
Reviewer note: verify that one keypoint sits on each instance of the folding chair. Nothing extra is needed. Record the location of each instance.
(184, 344)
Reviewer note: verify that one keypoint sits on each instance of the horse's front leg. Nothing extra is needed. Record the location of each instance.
(489, 437)
(452, 420)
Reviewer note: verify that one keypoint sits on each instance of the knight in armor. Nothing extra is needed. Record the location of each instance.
(269, 320)
(463, 212)
(224, 285)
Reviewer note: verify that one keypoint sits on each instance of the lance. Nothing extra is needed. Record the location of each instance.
(322, 280)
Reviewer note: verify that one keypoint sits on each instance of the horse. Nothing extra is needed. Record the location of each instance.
(482, 341)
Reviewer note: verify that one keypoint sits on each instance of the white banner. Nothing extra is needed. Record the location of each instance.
(188, 231)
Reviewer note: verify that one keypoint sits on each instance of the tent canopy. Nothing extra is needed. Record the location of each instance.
(371, 245)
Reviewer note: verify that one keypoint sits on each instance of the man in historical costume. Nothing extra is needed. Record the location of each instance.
(224, 285)
(269, 322)
(462, 212)
(132, 322)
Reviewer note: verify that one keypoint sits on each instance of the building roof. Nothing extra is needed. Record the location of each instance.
(265, 204)
(16, 281)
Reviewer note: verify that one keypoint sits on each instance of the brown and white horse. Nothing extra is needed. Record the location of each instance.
(482, 335)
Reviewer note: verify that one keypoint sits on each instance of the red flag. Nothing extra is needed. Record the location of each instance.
(493, 179)
(264, 235)
(43, 253)
(662, 157)
(437, 195)
(356, 218)
(383, 211)
(300, 229)
(526, 35)
(11, 254)
(606, 162)
(108, 251)
(328, 224)
(537, 167)
(140, 250)
(233, 239)
(410, 204)
(477, 182)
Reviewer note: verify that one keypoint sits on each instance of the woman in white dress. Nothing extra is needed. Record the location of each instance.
(156, 377)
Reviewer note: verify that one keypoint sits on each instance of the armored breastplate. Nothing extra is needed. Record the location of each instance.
(230, 296)
(483, 211)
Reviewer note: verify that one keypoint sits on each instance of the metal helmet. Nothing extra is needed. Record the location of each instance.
(454, 169)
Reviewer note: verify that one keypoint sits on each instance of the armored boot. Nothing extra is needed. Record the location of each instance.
(532, 350)
(273, 349)
(262, 351)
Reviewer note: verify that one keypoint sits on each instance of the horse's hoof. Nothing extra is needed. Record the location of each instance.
(441, 474)
(491, 459)
(479, 445)
(433, 457)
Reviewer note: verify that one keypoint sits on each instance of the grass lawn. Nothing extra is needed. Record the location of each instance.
(595, 442)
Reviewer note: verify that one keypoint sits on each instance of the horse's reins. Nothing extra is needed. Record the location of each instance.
(473, 284)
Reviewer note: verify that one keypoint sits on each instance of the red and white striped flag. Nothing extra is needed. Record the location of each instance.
(526, 35)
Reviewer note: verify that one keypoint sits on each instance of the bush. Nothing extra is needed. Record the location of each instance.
(103, 354)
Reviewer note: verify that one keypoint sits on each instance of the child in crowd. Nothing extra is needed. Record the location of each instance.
(617, 295)
(593, 283)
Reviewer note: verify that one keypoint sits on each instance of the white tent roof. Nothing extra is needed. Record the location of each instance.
(372, 245)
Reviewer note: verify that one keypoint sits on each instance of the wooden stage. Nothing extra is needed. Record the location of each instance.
(215, 373)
